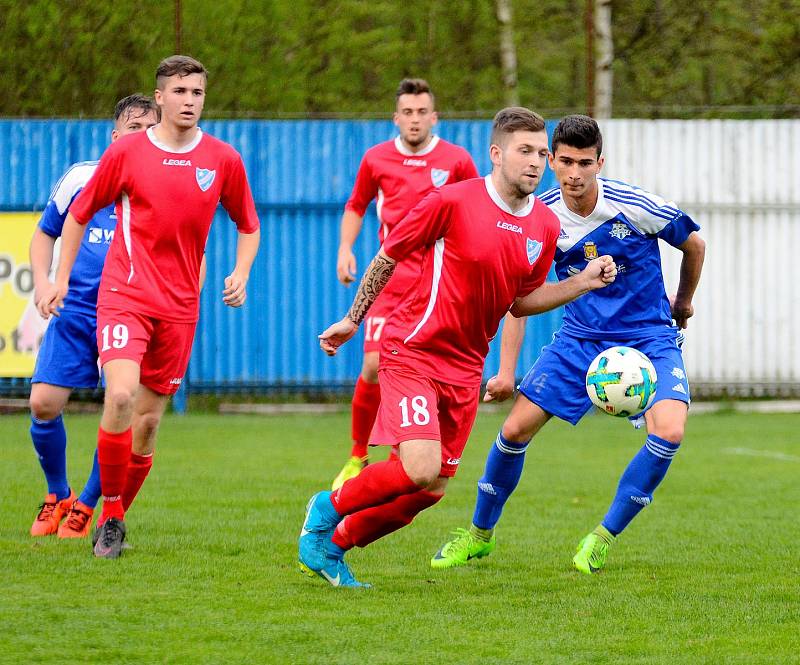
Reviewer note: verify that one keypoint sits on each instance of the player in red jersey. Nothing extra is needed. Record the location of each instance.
(166, 183)
(398, 173)
(486, 247)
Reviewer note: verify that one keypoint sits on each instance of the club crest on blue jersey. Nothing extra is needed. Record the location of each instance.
(619, 231)
(439, 177)
(205, 178)
(589, 250)
(534, 248)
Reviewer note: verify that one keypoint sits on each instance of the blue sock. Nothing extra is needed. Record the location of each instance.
(500, 477)
(637, 484)
(91, 491)
(50, 441)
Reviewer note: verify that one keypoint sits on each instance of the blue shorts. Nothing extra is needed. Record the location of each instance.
(557, 381)
(68, 355)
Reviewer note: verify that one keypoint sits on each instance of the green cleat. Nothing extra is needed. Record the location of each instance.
(592, 551)
(461, 549)
(351, 469)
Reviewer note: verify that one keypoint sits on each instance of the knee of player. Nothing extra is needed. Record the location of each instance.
(43, 408)
(423, 472)
(119, 398)
(146, 426)
(517, 431)
(672, 432)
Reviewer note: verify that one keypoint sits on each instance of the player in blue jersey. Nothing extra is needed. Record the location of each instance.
(67, 358)
(598, 216)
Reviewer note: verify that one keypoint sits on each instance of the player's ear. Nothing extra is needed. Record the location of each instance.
(395, 118)
(495, 154)
(114, 134)
(600, 161)
(434, 118)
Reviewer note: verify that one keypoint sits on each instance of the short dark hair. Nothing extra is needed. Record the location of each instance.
(578, 131)
(143, 103)
(181, 65)
(515, 119)
(414, 87)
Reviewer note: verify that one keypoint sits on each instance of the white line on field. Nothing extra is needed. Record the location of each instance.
(783, 457)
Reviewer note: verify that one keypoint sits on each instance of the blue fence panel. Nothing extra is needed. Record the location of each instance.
(301, 173)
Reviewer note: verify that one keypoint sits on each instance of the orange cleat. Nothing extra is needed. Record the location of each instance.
(51, 512)
(78, 521)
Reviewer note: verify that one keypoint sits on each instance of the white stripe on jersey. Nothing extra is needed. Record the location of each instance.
(126, 229)
(73, 180)
(379, 208)
(438, 259)
(646, 212)
(401, 148)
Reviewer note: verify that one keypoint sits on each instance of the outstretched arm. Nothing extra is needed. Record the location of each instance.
(235, 292)
(501, 386)
(599, 272)
(694, 251)
(375, 279)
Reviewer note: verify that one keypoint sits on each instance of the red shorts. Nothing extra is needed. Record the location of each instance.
(160, 348)
(414, 406)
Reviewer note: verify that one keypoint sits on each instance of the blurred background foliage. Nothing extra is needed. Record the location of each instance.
(343, 58)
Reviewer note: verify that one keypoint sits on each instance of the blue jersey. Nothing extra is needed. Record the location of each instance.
(85, 277)
(626, 223)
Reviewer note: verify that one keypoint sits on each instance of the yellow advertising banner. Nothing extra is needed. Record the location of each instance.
(21, 328)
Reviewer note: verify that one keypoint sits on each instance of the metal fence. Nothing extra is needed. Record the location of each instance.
(739, 179)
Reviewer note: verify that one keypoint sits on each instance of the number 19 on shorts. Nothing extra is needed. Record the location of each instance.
(116, 337)
(419, 411)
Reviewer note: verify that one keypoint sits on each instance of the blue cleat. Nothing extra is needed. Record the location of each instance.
(336, 572)
(317, 531)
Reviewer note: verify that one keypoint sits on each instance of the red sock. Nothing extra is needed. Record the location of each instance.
(366, 400)
(113, 455)
(366, 526)
(376, 484)
(138, 468)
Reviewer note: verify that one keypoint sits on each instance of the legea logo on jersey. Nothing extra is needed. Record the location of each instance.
(506, 226)
(205, 178)
(98, 236)
(177, 162)
(534, 248)
(439, 177)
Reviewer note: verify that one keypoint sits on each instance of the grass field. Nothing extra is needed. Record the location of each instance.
(708, 574)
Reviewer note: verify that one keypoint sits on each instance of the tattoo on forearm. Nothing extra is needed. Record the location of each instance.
(375, 278)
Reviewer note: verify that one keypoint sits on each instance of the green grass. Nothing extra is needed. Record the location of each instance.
(707, 574)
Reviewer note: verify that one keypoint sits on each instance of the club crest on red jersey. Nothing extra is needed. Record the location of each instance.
(205, 178)
(534, 248)
(439, 177)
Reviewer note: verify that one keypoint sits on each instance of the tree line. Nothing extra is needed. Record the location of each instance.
(343, 58)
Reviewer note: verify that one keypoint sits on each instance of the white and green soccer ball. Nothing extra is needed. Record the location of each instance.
(621, 381)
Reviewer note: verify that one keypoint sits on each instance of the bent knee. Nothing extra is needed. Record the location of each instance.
(423, 473)
(517, 431)
(147, 425)
(672, 433)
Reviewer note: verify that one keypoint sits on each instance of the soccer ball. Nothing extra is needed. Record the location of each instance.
(621, 381)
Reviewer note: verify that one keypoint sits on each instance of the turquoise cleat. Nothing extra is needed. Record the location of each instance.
(336, 572)
(317, 532)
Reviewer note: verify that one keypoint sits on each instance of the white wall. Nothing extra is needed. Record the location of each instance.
(740, 180)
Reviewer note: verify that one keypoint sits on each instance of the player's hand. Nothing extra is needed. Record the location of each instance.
(235, 292)
(681, 310)
(346, 266)
(336, 335)
(600, 272)
(52, 300)
(499, 389)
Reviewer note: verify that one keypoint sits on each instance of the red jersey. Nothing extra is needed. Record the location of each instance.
(165, 203)
(478, 257)
(400, 178)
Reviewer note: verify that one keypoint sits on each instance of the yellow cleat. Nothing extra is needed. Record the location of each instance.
(351, 469)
